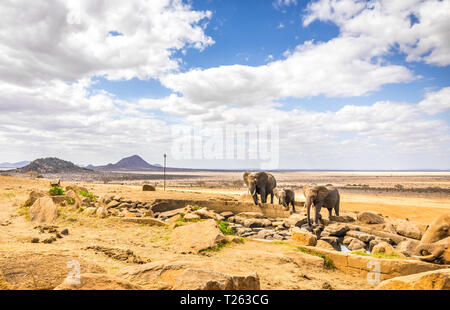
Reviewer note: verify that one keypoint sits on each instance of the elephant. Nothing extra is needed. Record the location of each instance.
(435, 243)
(261, 183)
(320, 196)
(286, 197)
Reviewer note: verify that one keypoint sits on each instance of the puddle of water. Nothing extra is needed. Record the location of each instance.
(344, 249)
(356, 232)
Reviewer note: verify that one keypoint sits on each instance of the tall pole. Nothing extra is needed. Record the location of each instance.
(165, 171)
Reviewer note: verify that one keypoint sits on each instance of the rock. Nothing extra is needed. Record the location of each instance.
(196, 237)
(89, 211)
(55, 183)
(342, 218)
(188, 275)
(368, 217)
(242, 230)
(101, 212)
(76, 188)
(338, 230)
(384, 247)
(389, 227)
(407, 247)
(95, 281)
(347, 240)
(333, 241)
(148, 213)
(408, 229)
(35, 240)
(191, 217)
(295, 220)
(175, 218)
(251, 215)
(38, 271)
(226, 214)
(148, 188)
(206, 214)
(364, 237)
(235, 239)
(124, 205)
(127, 213)
(43, 210)
(324, 245)
(76, 199)
(264, 234)
(430, 280)
(253, 222)
(33, 196)
(204, 279)
(356, 244)
(144, 220)
(113, 204)
(303, 236)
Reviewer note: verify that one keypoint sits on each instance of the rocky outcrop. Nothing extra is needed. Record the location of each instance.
(195, 237)
(431, 280)
(368, 217)
(43, 210)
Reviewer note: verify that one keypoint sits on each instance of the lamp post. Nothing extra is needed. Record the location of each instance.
(165, 171)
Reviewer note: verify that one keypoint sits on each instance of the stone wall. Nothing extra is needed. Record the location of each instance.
(268, 210)
(389, 268)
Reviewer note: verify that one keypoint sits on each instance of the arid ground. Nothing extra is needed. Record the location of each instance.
(152, 243)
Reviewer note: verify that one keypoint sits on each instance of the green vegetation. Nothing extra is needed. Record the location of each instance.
(378, 255)
(88, 195)
(56, 191)
(70, 200)
(328, 262)
(225, 228)
(217, 247)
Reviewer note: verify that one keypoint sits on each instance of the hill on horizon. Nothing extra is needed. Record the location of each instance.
(132, 163)
(52, 165)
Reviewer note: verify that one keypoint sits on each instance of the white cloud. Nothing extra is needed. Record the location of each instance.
(278, 4)
(436, 102)
(389, 22)
(68, 40)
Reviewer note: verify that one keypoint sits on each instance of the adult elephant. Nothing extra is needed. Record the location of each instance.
(320, 197)
(435, 243)
(261, 183)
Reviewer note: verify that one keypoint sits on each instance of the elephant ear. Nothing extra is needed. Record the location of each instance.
(321, 191)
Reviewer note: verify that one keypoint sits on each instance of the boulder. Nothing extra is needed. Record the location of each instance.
(408, 229)
(407, 247)
(191, 217)
(295, 220)
(338, 230)
(390, 228)
(254, 222)
(333, 241)
(113, 204)
(148, 188)
(303, 236)
(226, 214)
(96, 281)
(188, 275)
(342, 218)
(368, 217)
(76, 199)
(251, 215)
(43, 210)
(364, 237)
(265, 233)
(196, 237)
(347, 240)
(90, 211)
(33, 196)
(324, 245)
(384, 247)
(101, 212)
(206, 214)
(356, 244)
(430, 280)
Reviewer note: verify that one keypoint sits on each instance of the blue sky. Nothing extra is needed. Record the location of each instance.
(347, 84)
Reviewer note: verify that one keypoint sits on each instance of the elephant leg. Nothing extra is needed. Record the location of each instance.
(336, 207)
(255, 198)
(271, 198)
(263, 196)
(316, 220)
(308, 208)
(293, 206)
(330, 212)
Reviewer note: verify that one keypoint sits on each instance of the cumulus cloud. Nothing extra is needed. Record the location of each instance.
(278, 4)
(436, 102)
(420, 28)
(69, 40)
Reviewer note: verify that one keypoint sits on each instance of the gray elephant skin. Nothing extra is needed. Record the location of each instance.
(286, 197)
(320, 197)
(261, 183)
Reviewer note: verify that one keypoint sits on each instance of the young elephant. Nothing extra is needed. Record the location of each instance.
(320, 196)
(286, 197)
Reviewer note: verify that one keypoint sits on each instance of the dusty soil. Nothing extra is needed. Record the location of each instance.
(113, 244)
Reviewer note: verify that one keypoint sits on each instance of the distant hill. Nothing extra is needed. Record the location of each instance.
(19, 164)
(132, 163)
(52, 165)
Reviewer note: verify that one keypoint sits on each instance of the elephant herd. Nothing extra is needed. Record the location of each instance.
(265, 184)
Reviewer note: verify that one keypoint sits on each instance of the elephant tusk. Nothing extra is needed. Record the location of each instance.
(254, 192)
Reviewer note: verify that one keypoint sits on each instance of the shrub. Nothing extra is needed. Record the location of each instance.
(225, 228)
(88, 195)
(56, 191)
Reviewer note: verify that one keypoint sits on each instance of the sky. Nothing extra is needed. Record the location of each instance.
(334, 84)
